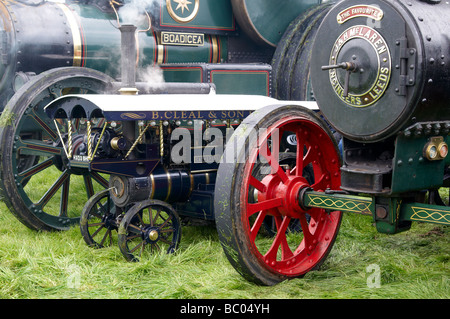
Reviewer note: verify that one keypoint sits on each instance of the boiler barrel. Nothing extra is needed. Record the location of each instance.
(36, 38)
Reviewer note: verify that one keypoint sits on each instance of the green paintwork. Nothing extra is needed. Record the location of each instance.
(271, 19)
(212, 14)
(228, 78)
(411, 170)
(241, 82)
(191, 74)
(400, 213)
(101, 45)
(426, 213)
(345, 203)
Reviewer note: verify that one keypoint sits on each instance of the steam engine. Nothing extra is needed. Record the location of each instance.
(231, 135)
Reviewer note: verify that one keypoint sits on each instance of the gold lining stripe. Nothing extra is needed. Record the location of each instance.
(191, 188)
(76, 35)
(160, 49)
(169, 186)
(215, 49)
(153, 186)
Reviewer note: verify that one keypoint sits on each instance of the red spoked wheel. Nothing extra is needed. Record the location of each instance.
(245, 197)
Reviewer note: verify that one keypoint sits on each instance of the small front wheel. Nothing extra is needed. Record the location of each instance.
(152, 226)
(99, 220)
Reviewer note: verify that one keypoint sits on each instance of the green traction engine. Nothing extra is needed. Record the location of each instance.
(380, 74)
(267, 119)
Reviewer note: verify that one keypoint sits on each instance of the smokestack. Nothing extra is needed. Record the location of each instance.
(128, 51)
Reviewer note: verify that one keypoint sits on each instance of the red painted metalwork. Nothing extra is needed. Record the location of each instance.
(277, 196)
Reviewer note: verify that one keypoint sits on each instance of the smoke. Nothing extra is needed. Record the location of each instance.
(152, 75)
(134, 11)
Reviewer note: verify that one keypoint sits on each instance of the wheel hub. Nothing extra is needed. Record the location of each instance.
(151, 235)
(287, 190)
(110, 222)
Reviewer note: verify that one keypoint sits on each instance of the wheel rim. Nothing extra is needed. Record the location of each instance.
(99, 220)
(39, 187)
(287, 254)
(151, 226)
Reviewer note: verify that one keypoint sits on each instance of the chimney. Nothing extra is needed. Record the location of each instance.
(128, 51)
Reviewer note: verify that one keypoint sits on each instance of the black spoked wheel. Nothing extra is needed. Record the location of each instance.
(36, 183)
(151, 226)
(100, 220)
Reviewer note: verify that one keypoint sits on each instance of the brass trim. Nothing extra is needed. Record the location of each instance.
(76, 34)
(152, 193)
(215, 49)
(191, 188)
(361, 10)
(169, 186)
(204, 171)
(384, 65)
(176, 17)
(160, 49)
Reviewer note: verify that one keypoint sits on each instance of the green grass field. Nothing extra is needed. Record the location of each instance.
(59, 265)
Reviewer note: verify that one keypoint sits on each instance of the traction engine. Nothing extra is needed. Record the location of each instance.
(380, 73)
(231, 137)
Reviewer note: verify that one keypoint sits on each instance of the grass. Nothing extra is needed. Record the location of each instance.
(59, 265)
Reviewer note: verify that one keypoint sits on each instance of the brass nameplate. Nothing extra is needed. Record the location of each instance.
(179, 38)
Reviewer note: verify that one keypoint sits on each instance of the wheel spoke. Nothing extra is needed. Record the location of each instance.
(100, 179)
(264, 205)
(35, 169)
(53, 189)
(280, 240)
(36, 147)
(165, 222)
(257, 184)
(64, 197)
(299, 165)
(88, 185)
(106, 235)
(139, 245)
(135, 229)
(307, 236)
(275, 165)
(158, 213)
(50, 131)
(150, 216)
(102, 225)
(257, 225)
